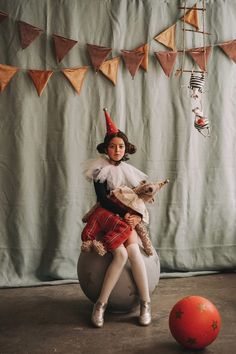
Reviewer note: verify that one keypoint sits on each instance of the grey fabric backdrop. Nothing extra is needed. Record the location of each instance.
(44, 141)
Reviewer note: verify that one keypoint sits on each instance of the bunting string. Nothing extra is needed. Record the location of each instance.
(134, 59)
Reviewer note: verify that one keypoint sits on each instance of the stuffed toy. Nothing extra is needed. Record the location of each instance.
(133, 199)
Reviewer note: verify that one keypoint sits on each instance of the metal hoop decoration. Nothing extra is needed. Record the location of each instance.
(202, 125)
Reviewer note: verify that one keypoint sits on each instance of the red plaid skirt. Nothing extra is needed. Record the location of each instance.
(114, 229)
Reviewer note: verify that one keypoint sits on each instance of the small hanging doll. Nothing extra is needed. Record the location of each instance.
(196, 85)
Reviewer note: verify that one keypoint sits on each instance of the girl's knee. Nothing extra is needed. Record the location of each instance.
(120, 254)
(133, 252)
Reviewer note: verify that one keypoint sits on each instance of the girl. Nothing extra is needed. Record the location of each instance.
(121, 239)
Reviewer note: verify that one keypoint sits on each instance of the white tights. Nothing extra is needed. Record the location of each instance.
(114, 270)
(138, 270)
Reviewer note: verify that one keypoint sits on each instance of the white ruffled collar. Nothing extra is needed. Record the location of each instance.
(102, 170)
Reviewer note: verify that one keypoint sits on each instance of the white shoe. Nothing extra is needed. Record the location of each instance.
(98, 314)
(145, 317)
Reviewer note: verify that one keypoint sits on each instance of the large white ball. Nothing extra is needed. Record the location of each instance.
(124, 297)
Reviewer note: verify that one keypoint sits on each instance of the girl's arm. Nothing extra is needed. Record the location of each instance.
(106, 203)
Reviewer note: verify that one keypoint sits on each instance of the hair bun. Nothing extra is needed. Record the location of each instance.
(131, 149)
(101, 148)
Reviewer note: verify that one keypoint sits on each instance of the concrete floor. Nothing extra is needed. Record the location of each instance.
(56, 319)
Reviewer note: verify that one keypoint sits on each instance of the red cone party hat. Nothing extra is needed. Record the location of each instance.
(111, 127)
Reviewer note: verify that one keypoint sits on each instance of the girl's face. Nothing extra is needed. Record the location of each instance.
(116, 149)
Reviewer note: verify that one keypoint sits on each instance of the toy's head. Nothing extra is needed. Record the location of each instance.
(147, 190)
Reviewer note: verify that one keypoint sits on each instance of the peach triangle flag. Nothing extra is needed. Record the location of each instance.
(167, 61)
(110, 69)
(6, 74)
(76, 76)
(191, 17)
(28, 33)
(62, 46)
(229, 48)
(132, 60)
(3, 15)
(144, 49)
(98, 55)
(200, 56)
(40, 79)
(167, 37)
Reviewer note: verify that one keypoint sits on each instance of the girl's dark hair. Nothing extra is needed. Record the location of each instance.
(129, 148)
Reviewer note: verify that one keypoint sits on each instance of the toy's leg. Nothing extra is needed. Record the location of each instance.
(144, 237)
(140, 276)
(112, 275)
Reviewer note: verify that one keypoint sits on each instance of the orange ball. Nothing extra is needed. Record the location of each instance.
(194, 322)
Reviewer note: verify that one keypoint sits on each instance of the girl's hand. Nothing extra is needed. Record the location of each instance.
(132, 220)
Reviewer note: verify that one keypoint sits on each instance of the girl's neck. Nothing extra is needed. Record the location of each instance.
(114, 163)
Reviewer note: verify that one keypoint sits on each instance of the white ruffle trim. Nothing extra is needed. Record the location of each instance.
(124, 174)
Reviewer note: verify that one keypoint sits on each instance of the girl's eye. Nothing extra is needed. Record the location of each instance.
(114, 146)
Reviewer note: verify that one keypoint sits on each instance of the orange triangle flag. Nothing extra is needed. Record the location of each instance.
(98, 55)
(144, 49)
(62, 46)
(110, 69)
(167, 61)
(28, 33)
(167, 37)
(191, 17)
(40, 79)
(6, 74)
(76, 76)
(229, 48)
(3, 15)
(132, 60)
(200, 56)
